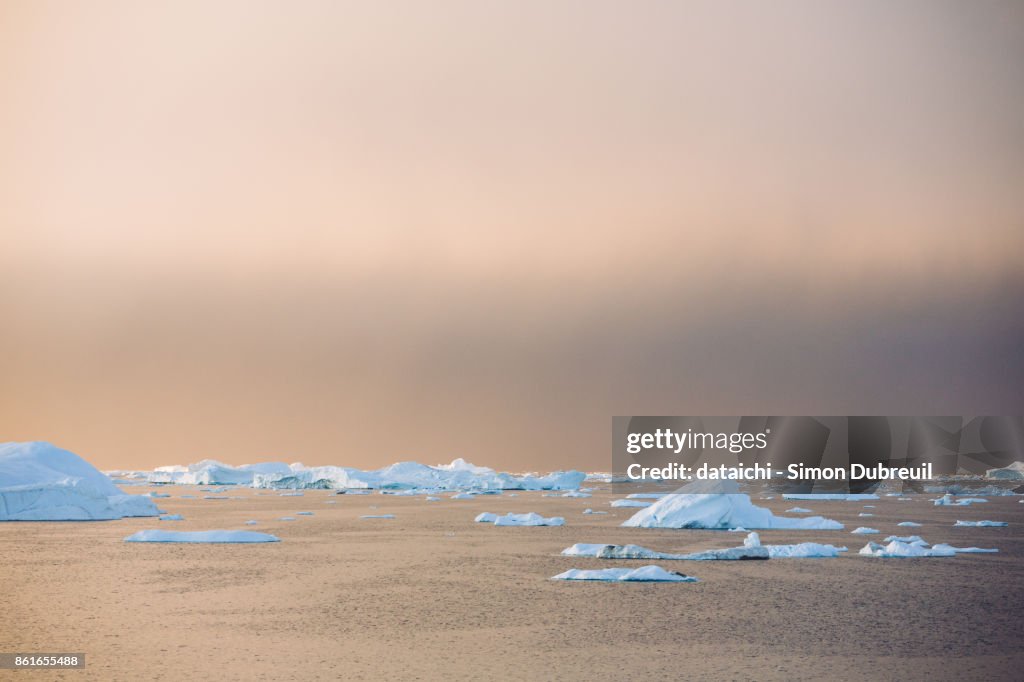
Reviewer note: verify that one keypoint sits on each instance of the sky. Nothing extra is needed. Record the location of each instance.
(357, 233)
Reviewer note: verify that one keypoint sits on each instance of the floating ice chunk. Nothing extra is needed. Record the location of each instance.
(156, 495)
(188, 497)
(719, 511)
(869, 506)
(304, 513)
(645, 574)
(804, 550)
(865, 514)
(908, 539)
(529, 519)
(41, 482)
(377, 516)
(637, 552)
(948, 500)
(575, 493)
(214, 497)
(864, 531)
(250, 522)
(909, 524)
(966, 550)
(462, 496)
(646, 496)
(206, 536)
(172, 517)
(291, 494)
(849, 497)
(982, 524)
(798, 510)
(899, 550)
(287, 518)
(591, 511)
(1012, 473)
(630, 503)
(432, 499)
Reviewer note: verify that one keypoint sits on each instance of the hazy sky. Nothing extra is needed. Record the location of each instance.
(356, 233)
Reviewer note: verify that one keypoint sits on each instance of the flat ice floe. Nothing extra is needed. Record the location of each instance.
(377, 516)
(41, 482)
(909, 524)
(203, 536)
(799, 510)
(172, 517)
(529, 519)
(903, 550)
(849, 497)
(630, 503)
(948, 500)
(646, 574)
(751, 549)
(863, 530)
(591, 511)
(719, 511)
(982, 524)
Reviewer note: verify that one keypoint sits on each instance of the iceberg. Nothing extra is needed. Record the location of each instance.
(646, 574)
(719, 511)
(948, 500)
(41, 482)
(459, 475)
(799, 510)
(1014, 472)
(909, 524)
(530, 519)
(863, 530)
(591, 511)
(172, 517)
(982, 524)
(204, 536)
(212, 472)
(377, 516)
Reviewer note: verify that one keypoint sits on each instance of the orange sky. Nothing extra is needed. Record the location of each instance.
(352, 233)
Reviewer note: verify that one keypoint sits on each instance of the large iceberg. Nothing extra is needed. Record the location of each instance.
(1014, 472)
(459, 475)
(212, 472)
(41, 482)
(719, 511)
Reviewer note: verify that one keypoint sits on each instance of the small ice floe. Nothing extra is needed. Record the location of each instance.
(903, 550)
(529, 519)
(287, 518)
(575, 493)
(865, 514)
(304, 513)
(637, 552)
(172, 517)
(646, 574)
(251, 522)
(156, 495)
(646, 496)
(864, 531)
(461, 496)
(630, 503)
(377, 516)
(591, 511)
(948, 500)
(909, 539)
(430, 498)
(330, 502)
(869, 506)
(798, 510)
(849, 497)
(982, 524)
(719, 511)
(214, 497)
(291, 494)
(206, 536)
(909, 524)
(188, 497)
(969, 550)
